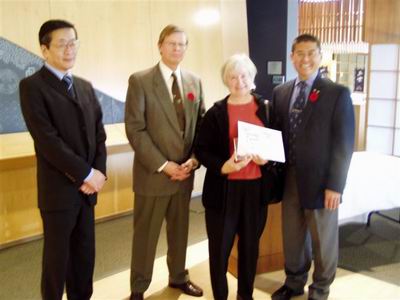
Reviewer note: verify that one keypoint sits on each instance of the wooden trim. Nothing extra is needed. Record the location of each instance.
(333, 21)
(382, 22)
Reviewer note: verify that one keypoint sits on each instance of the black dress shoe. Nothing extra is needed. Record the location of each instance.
(188, 288)
(136, 296)
(285, 293)
(238, 297)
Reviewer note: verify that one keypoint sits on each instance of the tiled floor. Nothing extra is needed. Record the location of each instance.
(347, 286)
(369, 259)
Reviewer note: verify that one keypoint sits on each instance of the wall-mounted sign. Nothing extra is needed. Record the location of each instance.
(278, 79)
(274, 67)
(359, 75)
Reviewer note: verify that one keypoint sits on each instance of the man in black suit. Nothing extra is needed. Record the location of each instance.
(316, 118)
(64, 119)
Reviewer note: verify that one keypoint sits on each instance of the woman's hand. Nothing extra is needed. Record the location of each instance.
(258, 160)
(231, 165)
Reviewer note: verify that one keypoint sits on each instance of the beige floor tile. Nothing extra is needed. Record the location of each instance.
(347, 286)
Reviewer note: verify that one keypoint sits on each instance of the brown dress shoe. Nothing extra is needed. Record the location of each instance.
(188, 288)
(136, 296)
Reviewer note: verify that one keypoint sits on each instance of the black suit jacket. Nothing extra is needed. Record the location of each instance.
(325, 139)
(68, 135)
(212, 150)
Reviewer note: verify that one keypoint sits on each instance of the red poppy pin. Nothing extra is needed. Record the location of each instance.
(314, 95)
(191, 96)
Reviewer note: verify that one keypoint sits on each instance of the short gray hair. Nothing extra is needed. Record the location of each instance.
(238, 61)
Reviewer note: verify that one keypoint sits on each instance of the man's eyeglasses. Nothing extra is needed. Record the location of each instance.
(310, 54)
(73, 45)
(176, 45)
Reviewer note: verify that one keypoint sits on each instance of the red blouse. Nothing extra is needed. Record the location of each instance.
(246, 113)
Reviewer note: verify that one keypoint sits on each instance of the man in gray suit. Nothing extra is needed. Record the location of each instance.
(316, 118)
(164, 105)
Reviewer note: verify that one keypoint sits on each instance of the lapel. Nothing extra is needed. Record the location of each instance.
(79, 92)
(307, 112)
(286, 96)
(82, 98)
(56, 83)
(189, 87)
(223, 122)
(164, 99)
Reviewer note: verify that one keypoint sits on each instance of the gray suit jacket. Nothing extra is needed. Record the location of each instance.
(153, 131)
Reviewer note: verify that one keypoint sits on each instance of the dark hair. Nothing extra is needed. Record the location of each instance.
(51, 25)
(306, 38)
(167, 31)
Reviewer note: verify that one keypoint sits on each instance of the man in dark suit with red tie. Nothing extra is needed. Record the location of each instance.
(64, 119)
(316, 118)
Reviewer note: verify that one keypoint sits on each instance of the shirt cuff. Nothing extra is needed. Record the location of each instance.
(160, 169)
(89, 176)
(195, 163)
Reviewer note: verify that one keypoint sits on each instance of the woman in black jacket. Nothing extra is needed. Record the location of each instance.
(233, 190)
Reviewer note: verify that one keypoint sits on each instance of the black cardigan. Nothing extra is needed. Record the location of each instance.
(212, 150)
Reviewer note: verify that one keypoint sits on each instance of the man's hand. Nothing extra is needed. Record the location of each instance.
(231, 165)
(332, 199)
(87, 189)
(94, 184)
(175, 171)
(190, 164)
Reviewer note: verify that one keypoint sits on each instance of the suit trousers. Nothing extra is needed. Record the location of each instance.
(243, 214)
(308, 234)
(68, 252)
(148, 216)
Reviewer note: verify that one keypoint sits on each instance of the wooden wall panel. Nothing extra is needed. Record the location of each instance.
(382, 22)
(332, 21)
(118, 37)
(20, 22)
(115, 40)
(19, 215)
(204, 54)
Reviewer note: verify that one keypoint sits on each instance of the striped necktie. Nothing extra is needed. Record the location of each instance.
(67, 80)
(295, 120)
(178, 103)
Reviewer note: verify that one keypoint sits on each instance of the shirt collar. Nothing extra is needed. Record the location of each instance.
(309, 81)
(59, 74)
(167, 72)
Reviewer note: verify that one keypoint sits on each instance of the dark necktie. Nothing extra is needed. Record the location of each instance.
(67, 80)
(178, 103)
(295, 120)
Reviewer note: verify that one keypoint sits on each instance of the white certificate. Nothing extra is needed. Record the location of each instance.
(265, 142)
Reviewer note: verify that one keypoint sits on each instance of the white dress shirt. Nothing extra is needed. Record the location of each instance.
(166, 73)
